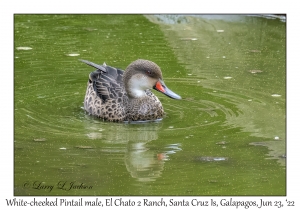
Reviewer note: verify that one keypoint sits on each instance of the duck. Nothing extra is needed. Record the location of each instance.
(116, 95)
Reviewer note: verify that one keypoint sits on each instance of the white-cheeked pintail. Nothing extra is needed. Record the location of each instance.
(116, 95)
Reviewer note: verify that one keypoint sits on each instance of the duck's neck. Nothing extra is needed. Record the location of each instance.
(136, 93)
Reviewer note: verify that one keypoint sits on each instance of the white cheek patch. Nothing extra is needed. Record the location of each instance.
(138, 84)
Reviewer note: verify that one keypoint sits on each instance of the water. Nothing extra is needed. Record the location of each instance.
(225, 137)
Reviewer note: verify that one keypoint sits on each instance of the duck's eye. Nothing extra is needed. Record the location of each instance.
(149, 72)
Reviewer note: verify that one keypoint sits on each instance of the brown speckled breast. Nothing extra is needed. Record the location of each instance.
(147, 108)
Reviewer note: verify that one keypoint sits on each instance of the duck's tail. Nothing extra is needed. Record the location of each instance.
(99, 67)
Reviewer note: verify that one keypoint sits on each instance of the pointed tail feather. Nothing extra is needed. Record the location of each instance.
(100, 67)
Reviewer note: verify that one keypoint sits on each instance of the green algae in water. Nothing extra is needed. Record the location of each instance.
(159, 158)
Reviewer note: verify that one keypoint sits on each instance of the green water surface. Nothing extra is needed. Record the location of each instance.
(225, 137)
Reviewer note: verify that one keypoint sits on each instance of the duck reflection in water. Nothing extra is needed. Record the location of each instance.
(130, 142)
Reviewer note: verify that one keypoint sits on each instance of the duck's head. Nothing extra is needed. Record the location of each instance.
(141, 75)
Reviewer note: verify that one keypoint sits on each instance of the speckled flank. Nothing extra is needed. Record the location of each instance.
(106, 96)
(111, 109)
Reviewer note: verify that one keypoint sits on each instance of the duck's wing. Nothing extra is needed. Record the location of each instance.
(107, 81)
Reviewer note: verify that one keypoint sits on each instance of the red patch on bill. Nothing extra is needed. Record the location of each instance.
(160, 87)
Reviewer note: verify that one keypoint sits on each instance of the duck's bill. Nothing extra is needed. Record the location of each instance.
(161, 87)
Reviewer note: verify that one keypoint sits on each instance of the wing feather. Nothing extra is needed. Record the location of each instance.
(107, 81)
